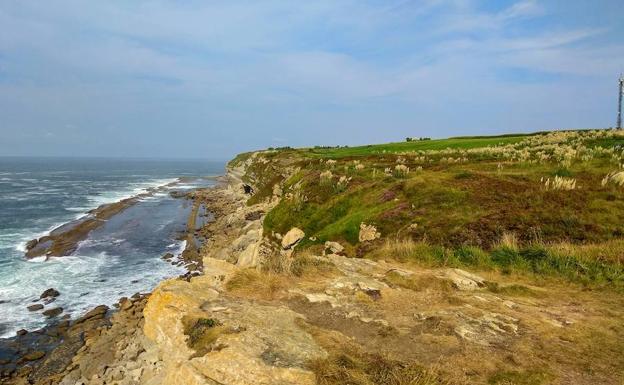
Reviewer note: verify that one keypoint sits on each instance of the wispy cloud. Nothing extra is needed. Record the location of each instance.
(284, 69)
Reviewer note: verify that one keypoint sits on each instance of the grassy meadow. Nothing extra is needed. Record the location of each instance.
(549, 205)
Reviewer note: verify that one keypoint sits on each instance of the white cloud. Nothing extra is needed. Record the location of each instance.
(250, 64)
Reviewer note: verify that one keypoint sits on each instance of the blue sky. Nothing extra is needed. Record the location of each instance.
(212, 78)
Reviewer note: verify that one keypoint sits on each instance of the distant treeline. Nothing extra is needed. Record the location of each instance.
(408, 139)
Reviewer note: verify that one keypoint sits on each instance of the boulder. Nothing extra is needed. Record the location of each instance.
(334, 247)
(292, 237)
(463, 280)
(50, 293)
(368, 233)
(22, 332)
(167, 256)
(50, 313)
(259, 345)
(35, 307)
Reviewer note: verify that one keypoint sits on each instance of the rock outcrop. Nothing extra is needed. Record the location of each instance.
(292, 237)
(254, 344)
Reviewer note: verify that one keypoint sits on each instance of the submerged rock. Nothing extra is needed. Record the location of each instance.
(35, 307)
(50, 313)
(50, 293)
(33, 356)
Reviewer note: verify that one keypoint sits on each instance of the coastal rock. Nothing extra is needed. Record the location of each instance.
(35, 307)
(292, 237)
(368, 233)
(50, 313)
(32, 243)
(22, 332)
(125, 304)
(96, 313)
(33, 356)
(247, 349)
(167, 256)
(50, 293)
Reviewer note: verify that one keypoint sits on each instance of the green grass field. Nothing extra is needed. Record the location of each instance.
(417, 145)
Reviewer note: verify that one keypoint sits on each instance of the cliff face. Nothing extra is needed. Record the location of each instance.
(368, 266)
(287, 299)
(207, 336)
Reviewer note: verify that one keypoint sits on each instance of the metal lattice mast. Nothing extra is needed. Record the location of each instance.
(619, 117)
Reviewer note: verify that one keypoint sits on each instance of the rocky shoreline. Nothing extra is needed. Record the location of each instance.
(47, 355)
(64, 239)
(259, 309)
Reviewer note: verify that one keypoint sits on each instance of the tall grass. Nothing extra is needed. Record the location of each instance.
(594, 265)
(354, 367)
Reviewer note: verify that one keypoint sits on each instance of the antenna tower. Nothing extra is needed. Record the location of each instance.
(620, 93)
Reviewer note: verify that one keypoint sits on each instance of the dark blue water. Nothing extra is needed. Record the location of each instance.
(118, 259)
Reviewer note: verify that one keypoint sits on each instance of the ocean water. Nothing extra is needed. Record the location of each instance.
(118, 259)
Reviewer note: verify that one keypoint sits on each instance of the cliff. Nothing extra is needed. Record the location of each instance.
(464, 261)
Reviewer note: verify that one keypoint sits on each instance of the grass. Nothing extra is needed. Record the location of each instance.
(255, 284)
(419, 283)
(574, 263)
(202, 333)
(239, 159)
(306, 264)
(511, 290)
(351, 366)
(398, 147)
(533, 377)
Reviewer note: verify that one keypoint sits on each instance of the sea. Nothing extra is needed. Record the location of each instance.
(119, 258)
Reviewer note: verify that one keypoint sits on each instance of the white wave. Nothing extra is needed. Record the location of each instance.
(181, 248)
(79, 278)
(30, 235)
(37, 259)
(110, 197)
(83, 209)
(132, 190)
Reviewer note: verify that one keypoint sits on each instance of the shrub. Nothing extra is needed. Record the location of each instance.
(401, 171)
(306, 264)
(256, 284)
(351, 366)
(407, 250)
(559, 183)
(325, 178)
(615, 178)
(473, 256)
(507, 241)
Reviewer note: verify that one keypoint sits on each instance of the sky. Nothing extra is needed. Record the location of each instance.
(209, 79)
